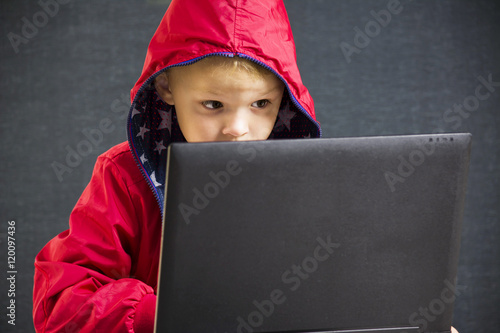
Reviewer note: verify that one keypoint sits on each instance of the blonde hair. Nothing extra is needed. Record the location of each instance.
(236, 63)
(232, 64)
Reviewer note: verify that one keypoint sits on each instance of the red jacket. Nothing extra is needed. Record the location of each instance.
(101, 274)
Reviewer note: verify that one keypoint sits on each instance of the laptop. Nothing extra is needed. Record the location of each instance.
(345, 235)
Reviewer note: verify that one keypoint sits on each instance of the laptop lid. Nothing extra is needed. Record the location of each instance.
(322, 235)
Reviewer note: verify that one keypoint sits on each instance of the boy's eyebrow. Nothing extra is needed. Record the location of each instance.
(276, 88)
(213, 92)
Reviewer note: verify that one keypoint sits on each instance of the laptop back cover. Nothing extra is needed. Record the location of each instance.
(337, 235)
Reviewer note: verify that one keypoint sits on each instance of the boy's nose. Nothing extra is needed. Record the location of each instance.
(236, 124)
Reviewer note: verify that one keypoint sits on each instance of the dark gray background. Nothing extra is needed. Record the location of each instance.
(80, 65)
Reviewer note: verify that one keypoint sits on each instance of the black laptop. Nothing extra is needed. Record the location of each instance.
(357, 235)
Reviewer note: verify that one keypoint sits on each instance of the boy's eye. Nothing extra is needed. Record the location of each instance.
(212, 104)
(260, 103)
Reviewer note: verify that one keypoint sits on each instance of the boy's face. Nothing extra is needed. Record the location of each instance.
(216, 103)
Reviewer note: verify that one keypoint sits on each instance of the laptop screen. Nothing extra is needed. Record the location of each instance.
(321, 235)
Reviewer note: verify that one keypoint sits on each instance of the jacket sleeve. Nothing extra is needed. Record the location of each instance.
(82, 277)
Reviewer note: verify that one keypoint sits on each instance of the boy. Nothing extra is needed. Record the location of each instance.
(215, 71)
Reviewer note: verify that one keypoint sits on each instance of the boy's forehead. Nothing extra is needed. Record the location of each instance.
(203, 73)
(201, 67)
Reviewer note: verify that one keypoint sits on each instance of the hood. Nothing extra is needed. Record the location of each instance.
(193, 29)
